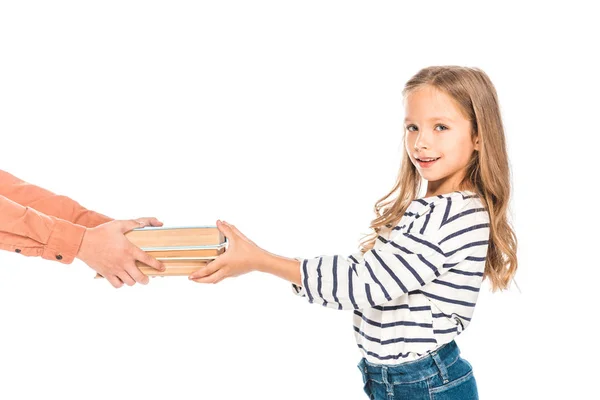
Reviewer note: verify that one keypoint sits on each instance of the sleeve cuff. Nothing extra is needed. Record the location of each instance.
(299, 290)
(64, 241)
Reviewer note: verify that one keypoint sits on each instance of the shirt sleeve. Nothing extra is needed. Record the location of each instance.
(442, 236)
(36, 222)
(48, 203)
(31, 233)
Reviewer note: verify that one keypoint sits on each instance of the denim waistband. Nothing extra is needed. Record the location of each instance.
(435, 362)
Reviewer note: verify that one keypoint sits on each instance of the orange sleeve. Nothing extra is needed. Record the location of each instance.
(36, 222)
(47, 202)
(31, 233)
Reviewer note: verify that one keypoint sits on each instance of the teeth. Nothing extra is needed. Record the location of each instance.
(427, 159)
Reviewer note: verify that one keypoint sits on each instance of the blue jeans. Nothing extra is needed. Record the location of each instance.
(440, 375)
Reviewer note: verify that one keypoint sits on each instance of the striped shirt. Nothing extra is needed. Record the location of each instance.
(417, 288)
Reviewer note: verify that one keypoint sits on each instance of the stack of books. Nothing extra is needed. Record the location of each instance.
(182, 250)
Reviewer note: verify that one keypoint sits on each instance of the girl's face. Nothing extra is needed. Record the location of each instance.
(435, 128)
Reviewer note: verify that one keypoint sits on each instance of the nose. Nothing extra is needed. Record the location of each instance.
(420, 142)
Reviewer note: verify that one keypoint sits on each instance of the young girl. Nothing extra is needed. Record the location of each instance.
(414, 284)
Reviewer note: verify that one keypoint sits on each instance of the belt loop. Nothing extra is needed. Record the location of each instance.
(441, 366)
(362, 366)
(388, 385)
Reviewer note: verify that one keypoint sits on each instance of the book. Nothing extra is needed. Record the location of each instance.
(186, 252)
(152, 237)
(182, 250)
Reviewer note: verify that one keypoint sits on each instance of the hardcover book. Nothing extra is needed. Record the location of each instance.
(182, 250)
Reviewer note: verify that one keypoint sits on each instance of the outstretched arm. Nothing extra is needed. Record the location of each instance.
(102, 244)
(48, 203)
(406, 262)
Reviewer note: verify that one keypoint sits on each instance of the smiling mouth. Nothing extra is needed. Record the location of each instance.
(426, 163)
(428, 159)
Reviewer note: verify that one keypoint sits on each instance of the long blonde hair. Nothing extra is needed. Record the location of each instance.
(488, 173)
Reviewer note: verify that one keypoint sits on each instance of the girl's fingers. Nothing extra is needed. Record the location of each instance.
(214, 278)
(225, 229)
(207, 270)
(233, 228)
(237, 232)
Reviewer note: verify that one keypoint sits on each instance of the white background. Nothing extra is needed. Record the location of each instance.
(285, 119)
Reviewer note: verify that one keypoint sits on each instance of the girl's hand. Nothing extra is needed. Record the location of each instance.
(242, 256)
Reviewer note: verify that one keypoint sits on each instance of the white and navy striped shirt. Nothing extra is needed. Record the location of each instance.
(417, 288)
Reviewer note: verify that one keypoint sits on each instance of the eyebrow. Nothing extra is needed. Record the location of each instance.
(434, 119)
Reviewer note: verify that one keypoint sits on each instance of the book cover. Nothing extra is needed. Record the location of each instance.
(164, 237)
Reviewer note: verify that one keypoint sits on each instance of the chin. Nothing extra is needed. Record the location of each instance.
(431, 177)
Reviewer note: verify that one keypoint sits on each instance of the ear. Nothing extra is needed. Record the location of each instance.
(476, 143)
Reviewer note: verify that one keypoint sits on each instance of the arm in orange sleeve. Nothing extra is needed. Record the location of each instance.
(48, 203)
(37, 222)
(31, 233)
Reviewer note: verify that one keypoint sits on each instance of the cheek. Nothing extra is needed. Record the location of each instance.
(409, 142)
(459, 151)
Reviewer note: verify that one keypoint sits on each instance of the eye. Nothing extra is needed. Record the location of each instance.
(442, 126)
(410, 126)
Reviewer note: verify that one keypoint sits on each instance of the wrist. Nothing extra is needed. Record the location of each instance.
(265, 261)
(283, 267)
